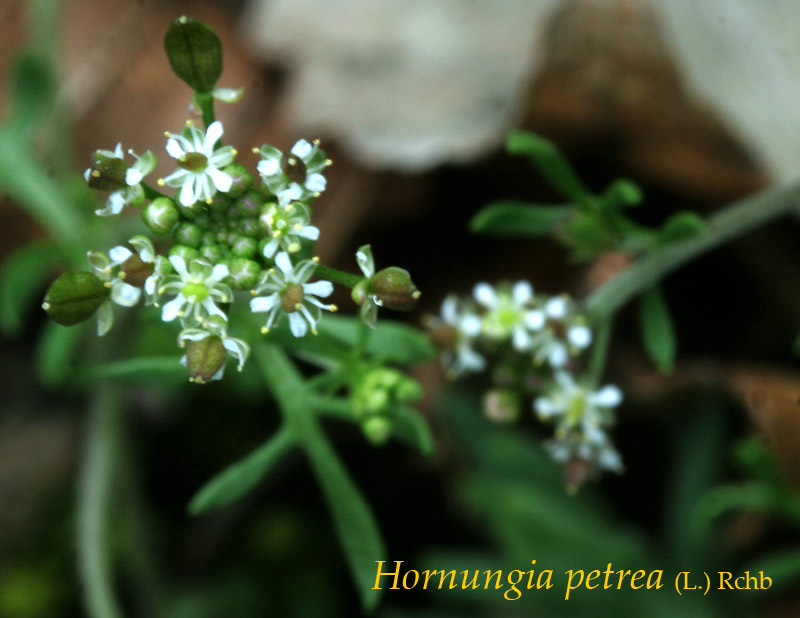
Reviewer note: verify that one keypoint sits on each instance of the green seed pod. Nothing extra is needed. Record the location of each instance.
(249, 226)
(108, 174)
(135, 271)
(394, 289)
(219, 203)
(188, 234)
(250, 204)
(205, 358)
(74, 297)
(160, 215)
(213, 253)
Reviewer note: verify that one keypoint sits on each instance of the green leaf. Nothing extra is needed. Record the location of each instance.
(21, 276)
(32, 90)
(783, 567)
(143, 370)
(55, 352)
(353, 520)
(411, 426)
(657, 332)
(239, 479)
(680, 226)
(550, 163)
(195, 53)
(509, 218)
(621, 193)
(390, 342)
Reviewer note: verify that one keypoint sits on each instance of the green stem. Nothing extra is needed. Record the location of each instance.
(738, 218)
(205, 102)
(337, 276)
(597, 361)
(94, 500)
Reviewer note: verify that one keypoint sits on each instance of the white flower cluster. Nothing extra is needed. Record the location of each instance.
(227, 235)
(547, 335)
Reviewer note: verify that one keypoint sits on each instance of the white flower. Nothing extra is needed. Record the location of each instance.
(581, 416)
(287, 291)
(286, 225)
(197, 289)
(216, 327)
(199, 174)
(111, 173)
(507, 313)
(295, 175)
(560, 331)
(466, 325)
(369, 302)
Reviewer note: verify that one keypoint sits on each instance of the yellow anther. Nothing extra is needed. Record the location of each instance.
(264, 330)
(255, 150)
(316, 142)
(167, 134)
(107, 284)
(209, 201)
(334, 308)
(315, 259)
(276, 234)
(235, 152)
(314, 331)
(189, 122)
(96, 173)
(328, 162)
(160, 182)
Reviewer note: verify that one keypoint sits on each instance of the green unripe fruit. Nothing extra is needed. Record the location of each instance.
(394, 289)
(377, 429)
(213, 253)
(243, 273)
(242, 179)
(205, 358)
(74, 297)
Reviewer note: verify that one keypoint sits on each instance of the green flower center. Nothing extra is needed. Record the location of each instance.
(576, 408)
(195, 292)
(193, 161)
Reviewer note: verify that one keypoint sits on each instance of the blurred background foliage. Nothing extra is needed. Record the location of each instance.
(711, 449)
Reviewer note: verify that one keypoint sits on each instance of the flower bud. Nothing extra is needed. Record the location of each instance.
(187, 253)
(74, 297)
(377, 429)
(250, 204)
(212, 253)
(244, 246)
(393, 289)
(188, 234)
(243, 273)
(160, 215)
(242, 179)
(204, 358)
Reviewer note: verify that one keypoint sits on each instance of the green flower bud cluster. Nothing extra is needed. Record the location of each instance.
(375, 392)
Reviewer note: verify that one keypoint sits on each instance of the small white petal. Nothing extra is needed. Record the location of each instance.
(261, 304)
(302, 149)
(522, 292)
(322, 289)
(365, 261)
(283, 262)
(268, 167)
(607, 397)
(297, 324)
(558, 356)
(470, 325)
(316, 183)
(125, 294)
(213, 133)
(105, 318)
(579, 336)
(222, 181)
(174, 148)
(309, 231)
(485, 295)
(133, 176)
(119, 254)
(535, 320)
(556, 307)
(171, 309)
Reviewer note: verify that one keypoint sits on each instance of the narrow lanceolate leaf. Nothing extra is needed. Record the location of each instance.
(143, 370)
(353, 520)
(657, 332)
(680, 226)
(239, 479)
(55, 353)
(550, 163)
(195, 53)
(518, 219)
(32, 88)
(411, 426)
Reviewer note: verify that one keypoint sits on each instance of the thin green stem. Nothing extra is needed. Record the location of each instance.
(740, 217)
(94, 500)
(205, 102)
(337, 276)
(597, 361)
(150, 193)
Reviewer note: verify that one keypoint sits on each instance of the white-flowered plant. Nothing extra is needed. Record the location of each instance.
(111, 173)
(545, 338)
(286, 290)
(224, 232)
(294, 175)
(286, 225)
(200, 162)
(198, 287)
